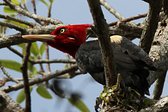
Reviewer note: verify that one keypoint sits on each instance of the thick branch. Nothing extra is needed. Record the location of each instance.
(6, 41)
(7, 104)
(159, 51)
(159, 85)
(151, 25)
(104, 41)
(160, 106)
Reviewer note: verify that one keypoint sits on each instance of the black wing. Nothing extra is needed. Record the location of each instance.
(88, 58)
(131, 62)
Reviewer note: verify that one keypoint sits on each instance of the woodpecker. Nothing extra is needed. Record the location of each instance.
(131, 61)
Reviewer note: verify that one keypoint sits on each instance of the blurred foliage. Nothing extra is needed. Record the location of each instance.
(36, 53)
(78, 103)
(21, 95)
(43, 92)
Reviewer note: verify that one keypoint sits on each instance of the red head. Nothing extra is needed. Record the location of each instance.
(64, 38)
(69, 38)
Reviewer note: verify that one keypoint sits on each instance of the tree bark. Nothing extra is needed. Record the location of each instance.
(8, 105)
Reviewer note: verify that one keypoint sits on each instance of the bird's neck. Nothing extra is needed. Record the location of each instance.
(71, 50)
(66, 48)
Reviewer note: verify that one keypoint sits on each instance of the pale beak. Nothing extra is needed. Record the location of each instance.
(42, 37)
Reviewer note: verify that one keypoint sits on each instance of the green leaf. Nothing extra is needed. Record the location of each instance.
(10, 64)
(21, 96)
(78, 103)
(22, 45)
(32, 69)
(13, 65)
(42, 48)
(15, 2)
(34, 49)
(2, 29)
(43, 92)
(45, 3)
(23, 1)
(17, 23)
(9, 10)
(51, 1)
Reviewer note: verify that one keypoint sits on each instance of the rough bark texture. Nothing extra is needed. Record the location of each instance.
(160, 106)
(8, 105)
(159, 49)
(158, 27)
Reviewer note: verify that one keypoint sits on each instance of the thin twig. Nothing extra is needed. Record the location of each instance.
(111, 10)
(34, 6)
(3, 4)
(32, 15)
(49, 9)
(48, 57)
(19, 54)
(17, 20)
(7, 75)
(15, 51)
(13, 26)
(129, 19)
(40, 79)
(42, 61)
(26, 80)
(53, 61)
(47, 47)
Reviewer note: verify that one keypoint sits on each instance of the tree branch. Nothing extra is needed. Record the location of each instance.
(159, 85)
(151, 25)
(7, 75)
(31, 15)
(17, 20)
(111, 10)
(53, 61)
(7, 104)
(40, 79)
(159, 106)
(159, 49)
(129, 19)
(25, 78)
(104, 42)
(13, 26)
(6, 41)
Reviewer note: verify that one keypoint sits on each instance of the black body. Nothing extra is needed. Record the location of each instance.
(133, 68)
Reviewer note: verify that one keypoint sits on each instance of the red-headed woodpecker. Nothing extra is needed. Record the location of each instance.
(131, 61)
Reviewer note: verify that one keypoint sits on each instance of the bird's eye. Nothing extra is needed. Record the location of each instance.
(62, 30)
